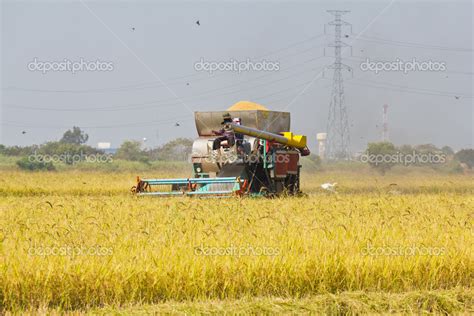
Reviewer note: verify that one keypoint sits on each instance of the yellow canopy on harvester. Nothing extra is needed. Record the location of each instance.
(247, 106)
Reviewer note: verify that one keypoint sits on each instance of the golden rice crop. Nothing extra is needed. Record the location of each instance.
(78, 240)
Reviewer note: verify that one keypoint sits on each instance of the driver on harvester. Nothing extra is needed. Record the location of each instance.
(225, 134)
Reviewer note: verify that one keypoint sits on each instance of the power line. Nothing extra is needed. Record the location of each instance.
(154, 122)
(291, 45)
(410, 44)
(153, 84)
(376, 59)
(152, 104)
(420, 89)
(388, 86)
(136, 124)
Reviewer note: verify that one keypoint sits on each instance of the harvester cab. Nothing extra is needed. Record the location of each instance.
(246, 150)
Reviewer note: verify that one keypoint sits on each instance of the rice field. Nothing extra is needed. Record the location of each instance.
(80, 242)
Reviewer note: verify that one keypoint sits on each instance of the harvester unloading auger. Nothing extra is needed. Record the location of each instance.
(239, 152)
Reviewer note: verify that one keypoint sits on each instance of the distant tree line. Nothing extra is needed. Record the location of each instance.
(382, 156)
(72, 143)
(175, 150)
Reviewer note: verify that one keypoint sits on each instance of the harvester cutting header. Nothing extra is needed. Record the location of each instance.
(245, 150)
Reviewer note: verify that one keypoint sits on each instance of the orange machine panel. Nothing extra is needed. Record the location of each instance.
(294, 158)
(281, 164)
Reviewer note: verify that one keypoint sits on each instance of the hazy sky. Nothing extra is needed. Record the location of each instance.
(151, 47)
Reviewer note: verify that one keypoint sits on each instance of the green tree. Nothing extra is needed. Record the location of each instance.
(74, 136)
(131, 150)
(447, 150)
(67, 152)
(465, 156)
(25, 164)
(406, 149)
(177, 149)
(427, 148)
(17, 151)
(380, 156)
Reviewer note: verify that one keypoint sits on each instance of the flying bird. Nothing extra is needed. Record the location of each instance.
(346, 36)
(187, 83)
(133, 28)
(23, 132)
(176, 124)
(457, 98)
(198, 23)
(329, 186)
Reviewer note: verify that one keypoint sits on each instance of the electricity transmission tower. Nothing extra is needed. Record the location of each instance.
(337, 126)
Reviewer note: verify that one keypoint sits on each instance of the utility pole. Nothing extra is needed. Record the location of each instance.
(385, 124)
(338, 138)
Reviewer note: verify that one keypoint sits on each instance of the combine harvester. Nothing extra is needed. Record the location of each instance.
(246, 150)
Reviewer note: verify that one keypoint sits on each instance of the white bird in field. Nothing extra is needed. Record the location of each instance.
(329, 186)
